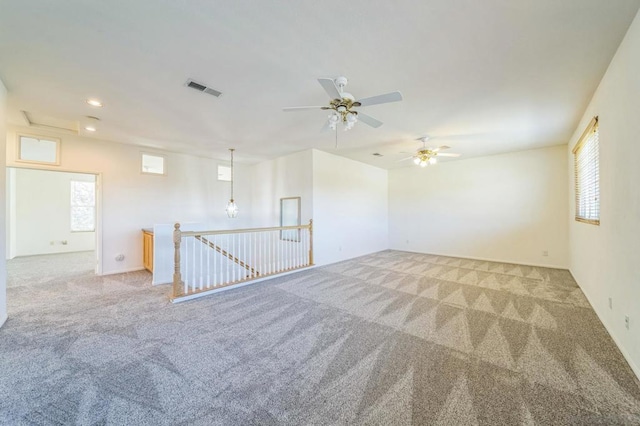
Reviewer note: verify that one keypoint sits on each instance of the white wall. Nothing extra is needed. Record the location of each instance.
(3, 222)
(604, 259)
(508, 207)
(42, 215)
(350, 215)
(288, 176)
(130, 200)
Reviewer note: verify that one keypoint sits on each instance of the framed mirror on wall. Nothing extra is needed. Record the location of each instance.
(38, 149)
(290, 216)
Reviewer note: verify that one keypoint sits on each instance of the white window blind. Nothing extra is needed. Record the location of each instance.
(587, 175)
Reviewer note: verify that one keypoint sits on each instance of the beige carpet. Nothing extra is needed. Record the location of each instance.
(389, 338)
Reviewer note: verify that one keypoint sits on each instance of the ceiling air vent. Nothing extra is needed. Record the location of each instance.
(377, 154)
(202, 88)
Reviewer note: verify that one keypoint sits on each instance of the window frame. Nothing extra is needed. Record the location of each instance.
(19, 158)
(582, 142)
(227, 167)
(152, 154)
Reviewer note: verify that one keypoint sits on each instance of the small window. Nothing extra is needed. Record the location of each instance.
(36, 149)
(224, 173)
(290, 216)
(153, 164)
(587, 175)
(83, 206)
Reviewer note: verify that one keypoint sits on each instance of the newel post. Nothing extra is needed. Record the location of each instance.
(177, 277)
(310, 241)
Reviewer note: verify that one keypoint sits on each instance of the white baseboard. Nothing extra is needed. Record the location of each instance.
(124, 271)
(485, 259)
(232, 287)
(3, 320)
(624, 352)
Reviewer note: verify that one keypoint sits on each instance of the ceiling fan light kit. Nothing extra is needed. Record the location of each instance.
(425, 157)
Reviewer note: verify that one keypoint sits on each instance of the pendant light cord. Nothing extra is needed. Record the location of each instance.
(231, 149)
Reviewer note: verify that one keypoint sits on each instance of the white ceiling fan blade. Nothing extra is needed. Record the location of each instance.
(440, 148)
(405, 159)
(330, 87)
(325, 128)
(381, 99)
(448, 155)
(301, 108)
(367, 119)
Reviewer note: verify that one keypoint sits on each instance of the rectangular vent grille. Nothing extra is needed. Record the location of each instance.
(202, 88)
(213, 92)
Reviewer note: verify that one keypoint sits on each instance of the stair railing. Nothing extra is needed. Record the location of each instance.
(209, 260)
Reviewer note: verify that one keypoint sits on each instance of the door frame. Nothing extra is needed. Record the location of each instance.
(98, 232)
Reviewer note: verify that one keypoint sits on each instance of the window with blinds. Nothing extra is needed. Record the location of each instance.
(587, 175)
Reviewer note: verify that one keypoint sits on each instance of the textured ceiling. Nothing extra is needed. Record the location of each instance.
(482, 77)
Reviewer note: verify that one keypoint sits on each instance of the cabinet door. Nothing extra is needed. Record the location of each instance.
(147, 248)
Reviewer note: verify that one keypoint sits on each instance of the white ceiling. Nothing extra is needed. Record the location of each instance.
(483, 77)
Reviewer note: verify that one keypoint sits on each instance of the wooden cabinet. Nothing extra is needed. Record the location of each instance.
(147, 249)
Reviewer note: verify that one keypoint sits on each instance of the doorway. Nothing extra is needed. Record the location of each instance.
(52, 224)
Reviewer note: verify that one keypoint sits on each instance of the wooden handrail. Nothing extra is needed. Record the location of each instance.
(242, 231)
(226, 254)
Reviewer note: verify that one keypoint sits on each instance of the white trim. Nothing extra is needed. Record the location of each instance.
(625, 354)
(124, 271)
(231, 287)
(484, 259)
(3, 320)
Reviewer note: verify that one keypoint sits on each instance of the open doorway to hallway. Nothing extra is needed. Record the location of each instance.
(52, 219)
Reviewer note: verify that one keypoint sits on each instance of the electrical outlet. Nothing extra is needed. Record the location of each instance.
(610, 303)
(545, 253)
(407, 241)
(626, 321)
(120, 257)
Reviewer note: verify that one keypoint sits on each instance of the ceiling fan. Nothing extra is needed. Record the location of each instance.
(343, 104)
(426, 156)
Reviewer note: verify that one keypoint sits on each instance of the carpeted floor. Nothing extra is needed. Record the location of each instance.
(390, 338)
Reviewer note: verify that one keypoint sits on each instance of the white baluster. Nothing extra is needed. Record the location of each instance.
(186, 263)
(209, 249)
(216, 263)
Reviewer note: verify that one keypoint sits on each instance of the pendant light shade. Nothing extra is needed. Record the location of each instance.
(232, 207)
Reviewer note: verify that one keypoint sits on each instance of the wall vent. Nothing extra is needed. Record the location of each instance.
(202, 88)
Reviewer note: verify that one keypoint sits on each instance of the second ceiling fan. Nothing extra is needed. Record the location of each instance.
(343, 105)
(426, 156)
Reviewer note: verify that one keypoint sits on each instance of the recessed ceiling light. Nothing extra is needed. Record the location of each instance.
(90, 126)
(94, 102)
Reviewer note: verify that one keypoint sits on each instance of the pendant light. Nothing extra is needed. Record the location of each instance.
(232, 208)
